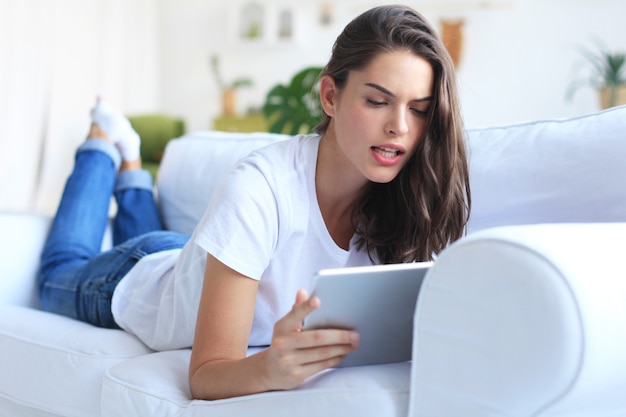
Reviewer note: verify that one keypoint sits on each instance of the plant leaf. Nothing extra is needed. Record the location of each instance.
(294, 108)
(606, 69)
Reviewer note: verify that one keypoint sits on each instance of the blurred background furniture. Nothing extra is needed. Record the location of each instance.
(251, 122)
(156, 130)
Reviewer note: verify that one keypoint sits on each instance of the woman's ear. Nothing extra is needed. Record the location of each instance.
(328, 94)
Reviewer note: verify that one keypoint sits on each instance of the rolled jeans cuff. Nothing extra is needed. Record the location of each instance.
(135, 178)
(103, 146)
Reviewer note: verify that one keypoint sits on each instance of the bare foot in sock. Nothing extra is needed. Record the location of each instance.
(96, 132)
(119, 130)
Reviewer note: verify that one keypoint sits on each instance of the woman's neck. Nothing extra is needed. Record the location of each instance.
(338, 189)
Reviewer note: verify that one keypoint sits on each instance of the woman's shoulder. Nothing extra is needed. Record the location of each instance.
(274, 166)
(294, 150)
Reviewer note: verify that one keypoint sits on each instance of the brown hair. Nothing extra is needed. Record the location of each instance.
(426, 207)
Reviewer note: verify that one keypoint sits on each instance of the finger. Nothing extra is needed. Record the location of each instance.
(316, 367)
(301, 296)
(292, 321)
(299, 373)
(302, 363)
(325, 337)
(321, 360)
(324, 353)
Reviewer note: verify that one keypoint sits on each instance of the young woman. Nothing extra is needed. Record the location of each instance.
(383, 180)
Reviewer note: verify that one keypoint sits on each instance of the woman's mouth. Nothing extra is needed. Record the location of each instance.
(387, 155)
(386, 152)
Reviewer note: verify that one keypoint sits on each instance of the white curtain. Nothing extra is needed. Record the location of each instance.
(55, 57)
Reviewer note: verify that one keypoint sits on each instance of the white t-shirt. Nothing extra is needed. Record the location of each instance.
(264, 222)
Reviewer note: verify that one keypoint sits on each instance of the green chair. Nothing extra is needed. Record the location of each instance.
(155, 130)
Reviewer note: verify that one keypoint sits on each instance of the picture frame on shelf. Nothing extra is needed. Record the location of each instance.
(258, 23)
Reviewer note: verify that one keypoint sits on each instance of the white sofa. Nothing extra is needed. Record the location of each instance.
(526, 316)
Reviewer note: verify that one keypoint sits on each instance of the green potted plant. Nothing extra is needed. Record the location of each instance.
(295, 108)
(229, 98)
(606, 74)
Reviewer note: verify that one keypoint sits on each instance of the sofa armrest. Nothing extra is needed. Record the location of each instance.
(524, 320)
(21, 243)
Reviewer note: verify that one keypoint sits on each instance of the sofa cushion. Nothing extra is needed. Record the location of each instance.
(68, 357)
(562, 170)
(569, 170)
(157, 385)
(191, 168)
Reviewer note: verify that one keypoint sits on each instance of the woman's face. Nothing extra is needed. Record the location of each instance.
(380, 115)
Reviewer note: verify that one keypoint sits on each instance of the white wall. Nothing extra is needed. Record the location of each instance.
(55, 56)
(153, 55)
(520, 62)
(517, 62)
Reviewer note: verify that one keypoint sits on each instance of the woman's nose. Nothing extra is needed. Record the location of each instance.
(397, 124)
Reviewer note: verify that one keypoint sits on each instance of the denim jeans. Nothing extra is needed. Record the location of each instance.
(75, 278)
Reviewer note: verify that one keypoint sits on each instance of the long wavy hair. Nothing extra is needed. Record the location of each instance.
(427, 206)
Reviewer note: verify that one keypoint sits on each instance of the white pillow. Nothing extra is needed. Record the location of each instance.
(570, 170)
(191, 168)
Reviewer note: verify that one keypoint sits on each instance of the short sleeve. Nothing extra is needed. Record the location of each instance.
(241, 225)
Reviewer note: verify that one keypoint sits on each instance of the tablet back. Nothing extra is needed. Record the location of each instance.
(376, 301)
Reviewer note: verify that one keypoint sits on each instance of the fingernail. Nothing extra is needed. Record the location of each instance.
(354, 338)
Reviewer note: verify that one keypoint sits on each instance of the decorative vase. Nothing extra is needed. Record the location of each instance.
(611, 97)
(229, 102)
(452, 37)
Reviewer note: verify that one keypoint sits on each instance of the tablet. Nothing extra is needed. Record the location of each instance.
(377, 301)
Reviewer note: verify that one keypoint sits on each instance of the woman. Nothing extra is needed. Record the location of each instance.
(383, 180)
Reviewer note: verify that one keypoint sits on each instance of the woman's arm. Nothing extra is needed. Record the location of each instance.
(219, 367)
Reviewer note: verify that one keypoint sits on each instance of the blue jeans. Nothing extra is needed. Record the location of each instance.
(75, 278)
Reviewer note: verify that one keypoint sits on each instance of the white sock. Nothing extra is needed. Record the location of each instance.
(129, 145)
(118, 129)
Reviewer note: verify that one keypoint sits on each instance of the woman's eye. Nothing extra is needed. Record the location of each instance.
(375, 103)
(420, 112)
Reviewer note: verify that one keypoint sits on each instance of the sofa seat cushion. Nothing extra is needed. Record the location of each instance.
(69, 358)
(156, 385)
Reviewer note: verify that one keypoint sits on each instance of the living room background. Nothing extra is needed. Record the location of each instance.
(147, 56)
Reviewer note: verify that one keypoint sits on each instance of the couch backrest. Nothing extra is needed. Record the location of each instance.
(569, 170)
(191, 168)
(550, 171)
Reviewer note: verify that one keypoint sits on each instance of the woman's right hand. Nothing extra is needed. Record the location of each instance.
(295, 355)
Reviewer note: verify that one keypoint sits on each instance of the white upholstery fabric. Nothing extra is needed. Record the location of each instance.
(156, 385)
(49, 365)
(524, 320)
(52, 364)
(191, 168)
(549, 171)
(21, 241)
